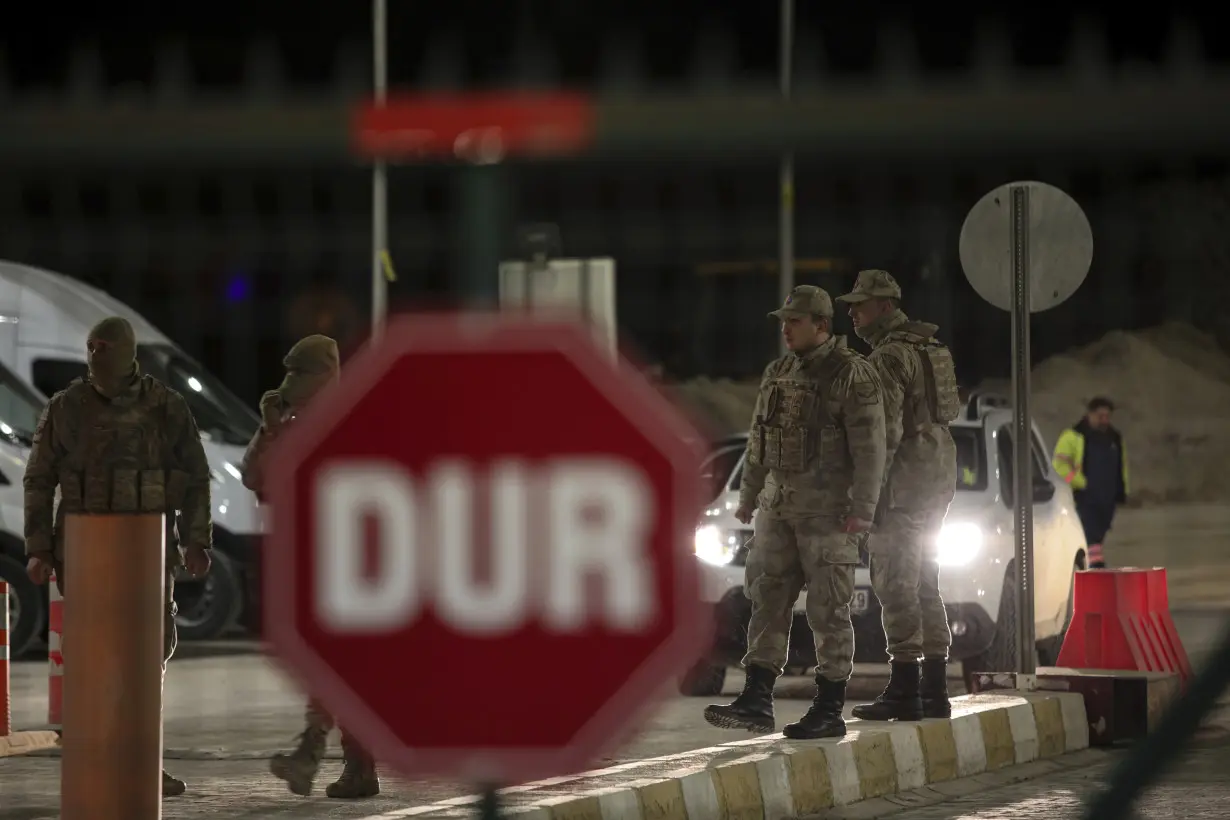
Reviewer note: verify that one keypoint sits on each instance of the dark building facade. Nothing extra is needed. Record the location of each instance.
(234, 262)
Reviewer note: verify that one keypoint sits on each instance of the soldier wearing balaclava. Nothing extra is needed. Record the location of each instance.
(111, 351)
(311, 366)
(118, 442)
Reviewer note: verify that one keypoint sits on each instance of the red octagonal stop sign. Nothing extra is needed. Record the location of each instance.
(481, 557)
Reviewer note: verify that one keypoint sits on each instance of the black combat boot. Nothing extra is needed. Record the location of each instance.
(934, 688)
(753, 709)
(358, 778)
(899, 700)
(299, 767)
(172, 786)
(823, 719)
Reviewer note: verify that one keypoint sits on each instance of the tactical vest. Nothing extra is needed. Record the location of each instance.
(785, 436)
(939, 403)
(119, 461)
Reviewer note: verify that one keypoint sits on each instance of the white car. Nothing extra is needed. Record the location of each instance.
(976, 551)
(44, 319)
(20, 408)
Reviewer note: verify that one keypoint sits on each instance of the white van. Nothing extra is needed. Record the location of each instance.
(976, 553)
(44, 320)
(20, 408)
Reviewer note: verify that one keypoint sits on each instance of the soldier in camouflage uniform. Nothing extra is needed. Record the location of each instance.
(118, 442)
(311, 365)
(920, 400)
(814, 466)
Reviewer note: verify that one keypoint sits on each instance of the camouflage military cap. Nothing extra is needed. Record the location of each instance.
(873, 284)
(313, 354)
(805, 300)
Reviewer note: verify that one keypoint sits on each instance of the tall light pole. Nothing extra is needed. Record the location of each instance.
(380, 204)
(785, 264)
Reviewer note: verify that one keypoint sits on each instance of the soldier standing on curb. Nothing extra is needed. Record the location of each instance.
(814, 466)
(311, 365)
(920, 400)
(119, 442)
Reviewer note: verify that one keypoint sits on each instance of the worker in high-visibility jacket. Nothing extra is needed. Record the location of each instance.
(1092, 458)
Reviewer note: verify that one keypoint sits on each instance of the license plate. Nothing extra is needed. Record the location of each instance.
(862, 601)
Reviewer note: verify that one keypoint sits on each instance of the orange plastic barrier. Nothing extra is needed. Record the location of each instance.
(1121, 620)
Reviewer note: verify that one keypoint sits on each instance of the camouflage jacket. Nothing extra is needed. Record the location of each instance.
(921, 463)
(256, 457)
(817, 441)
(138, 453)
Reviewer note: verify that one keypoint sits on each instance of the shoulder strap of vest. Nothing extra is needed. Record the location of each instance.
(780, 364)
(155, 391)
(828, 367)
(160, 395)
(76, 401)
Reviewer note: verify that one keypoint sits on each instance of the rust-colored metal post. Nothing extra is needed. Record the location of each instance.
(115, 566)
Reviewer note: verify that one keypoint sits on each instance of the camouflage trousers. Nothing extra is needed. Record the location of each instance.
(789, 555)
(905, 575)
(170, 634)
(317, 717)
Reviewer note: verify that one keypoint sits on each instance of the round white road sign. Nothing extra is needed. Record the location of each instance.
(1057, 240)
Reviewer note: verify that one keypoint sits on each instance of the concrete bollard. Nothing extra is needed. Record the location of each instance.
(111, 766)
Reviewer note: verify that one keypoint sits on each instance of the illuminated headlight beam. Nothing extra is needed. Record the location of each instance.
(958, 543)
(713, 546)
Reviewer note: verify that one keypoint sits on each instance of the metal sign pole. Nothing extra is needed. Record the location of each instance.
(1023, 481)
(786, 227)
(480, 207)
(380, 212)
(1025, 247)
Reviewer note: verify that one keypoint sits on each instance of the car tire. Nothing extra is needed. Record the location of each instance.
(705, 679)
(209, 606)
(1000, 656)
(26, 602)
(1048, 648)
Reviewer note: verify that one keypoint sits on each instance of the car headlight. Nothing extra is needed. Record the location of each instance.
(713, 546)
(958, 543)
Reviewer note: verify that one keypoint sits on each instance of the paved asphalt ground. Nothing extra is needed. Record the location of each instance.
(228, 708)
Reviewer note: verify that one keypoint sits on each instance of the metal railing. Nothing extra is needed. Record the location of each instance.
(949, 124)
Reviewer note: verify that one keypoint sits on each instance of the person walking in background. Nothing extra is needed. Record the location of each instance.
(1092, 458)
(311, 365)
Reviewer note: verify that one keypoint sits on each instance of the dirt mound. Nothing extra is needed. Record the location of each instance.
(1170, 385)
(1171, 389)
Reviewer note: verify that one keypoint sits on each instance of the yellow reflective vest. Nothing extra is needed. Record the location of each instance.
(1069, 459)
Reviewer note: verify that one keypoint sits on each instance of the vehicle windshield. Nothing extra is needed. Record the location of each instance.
(717, 467)
(20, 409)
(971, 458)
(218, 412)
(971, 462)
